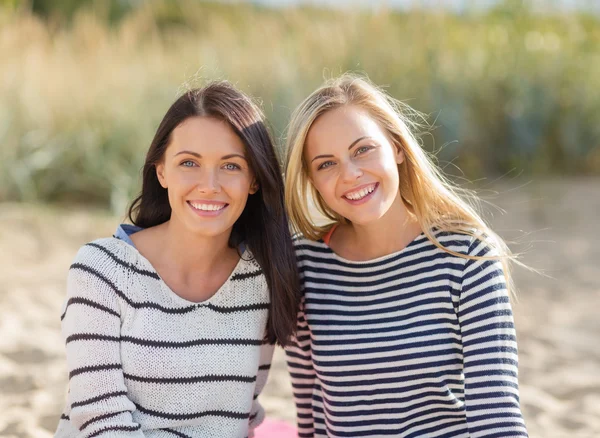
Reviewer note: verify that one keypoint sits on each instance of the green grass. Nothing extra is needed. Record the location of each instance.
(80, 100)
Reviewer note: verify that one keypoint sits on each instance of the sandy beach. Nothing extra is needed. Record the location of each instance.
(556, 315)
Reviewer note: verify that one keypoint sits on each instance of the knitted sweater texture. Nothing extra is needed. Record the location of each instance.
(419, 343)
(144, 362)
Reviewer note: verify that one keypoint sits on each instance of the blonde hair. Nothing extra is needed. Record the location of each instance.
(435, 202)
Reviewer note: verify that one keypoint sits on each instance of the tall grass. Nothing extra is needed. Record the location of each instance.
(79, 102)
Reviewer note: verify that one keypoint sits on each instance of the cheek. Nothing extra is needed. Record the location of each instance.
(325, 183)
(387, 165)
(186, 179)
(179, 180)
(391, 169)
(237, 186)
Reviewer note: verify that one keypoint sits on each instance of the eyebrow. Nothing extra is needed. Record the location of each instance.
(356, 141)
(197, 155)
(226, 157)
(349, 147)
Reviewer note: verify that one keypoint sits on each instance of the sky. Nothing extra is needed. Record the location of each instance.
(456, 5)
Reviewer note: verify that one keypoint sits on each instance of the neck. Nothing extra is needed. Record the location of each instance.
(391, 233)
(191, 252)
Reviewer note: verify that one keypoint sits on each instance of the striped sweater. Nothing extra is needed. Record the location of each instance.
(144, 362)
(418, 343)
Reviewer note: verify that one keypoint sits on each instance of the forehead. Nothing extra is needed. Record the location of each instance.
(340, 127)
(205, 135)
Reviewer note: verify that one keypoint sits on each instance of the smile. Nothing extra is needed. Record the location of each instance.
(210, 208)
(361, 193)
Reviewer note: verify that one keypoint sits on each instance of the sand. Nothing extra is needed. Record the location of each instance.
(557, 316)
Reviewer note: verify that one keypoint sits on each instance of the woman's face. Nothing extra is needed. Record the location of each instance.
(206, 173)
(353, 164)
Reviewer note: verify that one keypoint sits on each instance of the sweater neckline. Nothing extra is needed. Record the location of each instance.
(171, 294)
(367, 263)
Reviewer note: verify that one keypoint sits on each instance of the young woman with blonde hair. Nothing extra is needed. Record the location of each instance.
(405, 327)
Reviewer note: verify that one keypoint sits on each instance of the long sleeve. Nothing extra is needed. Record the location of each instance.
(91, 327)
(299, 360)
(257, 414)
(489, 350)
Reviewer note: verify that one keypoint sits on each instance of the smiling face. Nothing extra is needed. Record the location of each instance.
(353, 164)
(207, 176)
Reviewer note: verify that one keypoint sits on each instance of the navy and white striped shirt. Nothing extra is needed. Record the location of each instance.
(418, 343)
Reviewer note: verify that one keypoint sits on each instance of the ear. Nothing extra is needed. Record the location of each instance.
(399, 154)
(160, 174)
(254, 187)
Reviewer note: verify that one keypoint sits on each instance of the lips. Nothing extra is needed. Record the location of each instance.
(204, 206)
(359, 193)
(207, 208)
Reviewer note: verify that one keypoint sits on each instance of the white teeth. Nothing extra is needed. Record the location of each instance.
(359, 194)
(208, 207)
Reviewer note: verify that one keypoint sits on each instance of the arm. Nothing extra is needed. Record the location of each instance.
(489, 349)
(91, 325)
(299, 360)
(257, 413)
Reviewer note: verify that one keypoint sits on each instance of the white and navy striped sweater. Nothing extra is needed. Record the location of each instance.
(419, 343)
(144, 362)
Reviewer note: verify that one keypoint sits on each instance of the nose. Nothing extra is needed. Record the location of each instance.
(208, 181)
(350, 172)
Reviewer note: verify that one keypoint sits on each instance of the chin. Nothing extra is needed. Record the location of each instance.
(364, 219)
(202, 230)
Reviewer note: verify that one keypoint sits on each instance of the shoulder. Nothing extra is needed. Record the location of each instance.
(107, 257)
(247, 286)
(468, 243)
(249, 268)
(452, 240)
(483, 245)
(484, 258)
(310, 250)
(302, 243)
(101, 270)
(100, 250)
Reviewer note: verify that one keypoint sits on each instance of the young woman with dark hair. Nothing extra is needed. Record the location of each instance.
(170, 324)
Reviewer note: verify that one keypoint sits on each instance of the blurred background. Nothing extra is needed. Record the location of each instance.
(511, 87)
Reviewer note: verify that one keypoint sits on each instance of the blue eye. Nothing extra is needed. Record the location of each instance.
(363, 149)
(187, 163)
(325, 165)
(231, 166)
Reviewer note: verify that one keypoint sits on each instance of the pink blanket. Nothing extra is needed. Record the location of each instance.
(275, 429)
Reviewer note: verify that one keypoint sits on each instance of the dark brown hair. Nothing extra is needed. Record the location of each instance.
(263, 225)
